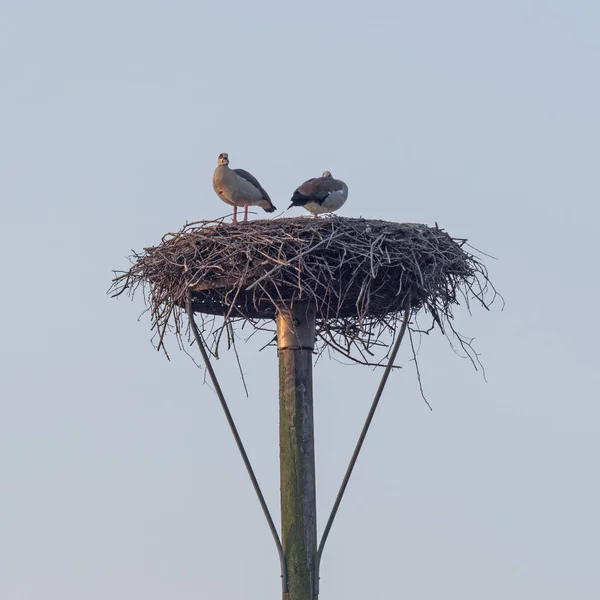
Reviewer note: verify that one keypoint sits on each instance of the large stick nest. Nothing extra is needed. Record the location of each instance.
(360, 274)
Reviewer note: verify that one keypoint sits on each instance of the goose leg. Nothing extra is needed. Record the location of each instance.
(235, 214)
(245, 212)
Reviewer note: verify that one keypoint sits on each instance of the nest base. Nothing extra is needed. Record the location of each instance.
(359, 274)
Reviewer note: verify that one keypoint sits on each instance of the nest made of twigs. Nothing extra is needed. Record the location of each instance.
(360, 275)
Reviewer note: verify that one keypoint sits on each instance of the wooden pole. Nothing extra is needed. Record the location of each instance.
(295, 343)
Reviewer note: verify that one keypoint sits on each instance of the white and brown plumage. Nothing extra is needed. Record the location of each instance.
(238, 188)
(321, 194)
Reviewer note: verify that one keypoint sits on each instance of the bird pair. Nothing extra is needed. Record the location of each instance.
(238, 188)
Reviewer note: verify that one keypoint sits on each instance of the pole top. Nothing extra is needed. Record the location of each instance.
(296, 327)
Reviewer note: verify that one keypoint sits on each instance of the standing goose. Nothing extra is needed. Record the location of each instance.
(238, 188)
(321, 194)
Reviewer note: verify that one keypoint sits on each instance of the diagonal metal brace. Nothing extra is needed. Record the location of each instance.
(359, 444)
(238, 441)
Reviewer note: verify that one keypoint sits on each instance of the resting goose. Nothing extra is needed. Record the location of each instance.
(321, 194)
(238, 188)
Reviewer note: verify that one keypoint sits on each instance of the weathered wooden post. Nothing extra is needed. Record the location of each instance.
(295, 345)
(347, 282)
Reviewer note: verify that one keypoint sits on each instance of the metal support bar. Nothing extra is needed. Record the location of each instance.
(359, 444)
(238, 441)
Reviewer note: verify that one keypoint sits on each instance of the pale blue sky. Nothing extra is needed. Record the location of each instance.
(118, 476)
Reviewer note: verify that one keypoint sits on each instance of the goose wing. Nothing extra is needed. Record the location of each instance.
(317, 190)
(251, 179)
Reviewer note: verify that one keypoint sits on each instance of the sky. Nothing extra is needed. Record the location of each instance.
(118, 476)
